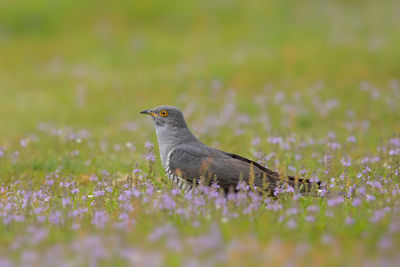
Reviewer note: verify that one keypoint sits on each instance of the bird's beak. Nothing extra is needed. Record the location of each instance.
(149, 112)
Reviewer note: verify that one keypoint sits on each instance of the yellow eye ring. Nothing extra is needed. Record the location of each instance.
(163, 113)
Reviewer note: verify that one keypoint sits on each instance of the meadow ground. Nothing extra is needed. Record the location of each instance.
(309, 88)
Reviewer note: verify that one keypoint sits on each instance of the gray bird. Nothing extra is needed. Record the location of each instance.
(186, 159)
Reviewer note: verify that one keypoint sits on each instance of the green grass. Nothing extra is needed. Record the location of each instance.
(92, 66)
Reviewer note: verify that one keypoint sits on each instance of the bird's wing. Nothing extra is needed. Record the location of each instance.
(191, 162)
(271, 174)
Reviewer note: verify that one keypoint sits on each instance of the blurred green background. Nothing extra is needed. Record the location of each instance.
(96, 64)
(91, 62)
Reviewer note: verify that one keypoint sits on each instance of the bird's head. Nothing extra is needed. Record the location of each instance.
(166, 116)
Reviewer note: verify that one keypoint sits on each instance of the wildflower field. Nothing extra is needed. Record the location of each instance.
(307, 88)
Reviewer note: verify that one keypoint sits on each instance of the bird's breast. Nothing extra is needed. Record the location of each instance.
(180, 181)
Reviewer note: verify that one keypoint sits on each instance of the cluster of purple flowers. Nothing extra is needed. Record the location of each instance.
(140, 218)
(64, 203)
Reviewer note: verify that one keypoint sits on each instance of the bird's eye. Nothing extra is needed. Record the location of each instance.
(163, 113)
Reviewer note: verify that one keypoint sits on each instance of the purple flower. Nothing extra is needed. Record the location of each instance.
(296, 196)
(18, 217)
(149, 190)
(329, 213)
(303, 171)
(55, 217)
(75, 191)
(124, 221)
(150, 156)
(385, 243)
(199, 201)
(148, 144)
(136, 171)
(375, 184)
(327, 159)
(173, 244)
(394, 152)
(292, 211)
(289, 189)
(99, 193)
(356, 202)
(38, 210)
(109, 189)
(40, 218)
(351, 139)
(23, 142)
(66, 201)
(370, 198)
(211, 241)
(331, 135)
(361, 190)
(123, 197)
(278, 190)
(242, 186)
(105, 173)
(310, 218)
(7, 219)
(292, 169)
(4, 262)
(327, 239)
(124, 216)
(334, 146)
(256, 141)
(136, 193)
(73, 213)
(275, 140)
(160, 232)
(395, 141)
(291, 224)
(346, 162)
(126, 206)
(312, 209)
(314, 179)
(349, 221)
(378, 215)
(117, 147)
(366, 170)
(28, 258)
(274, 206)
(74, 153)
(335, 201)
(100, 218)
(37, 234)
(168, 202)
